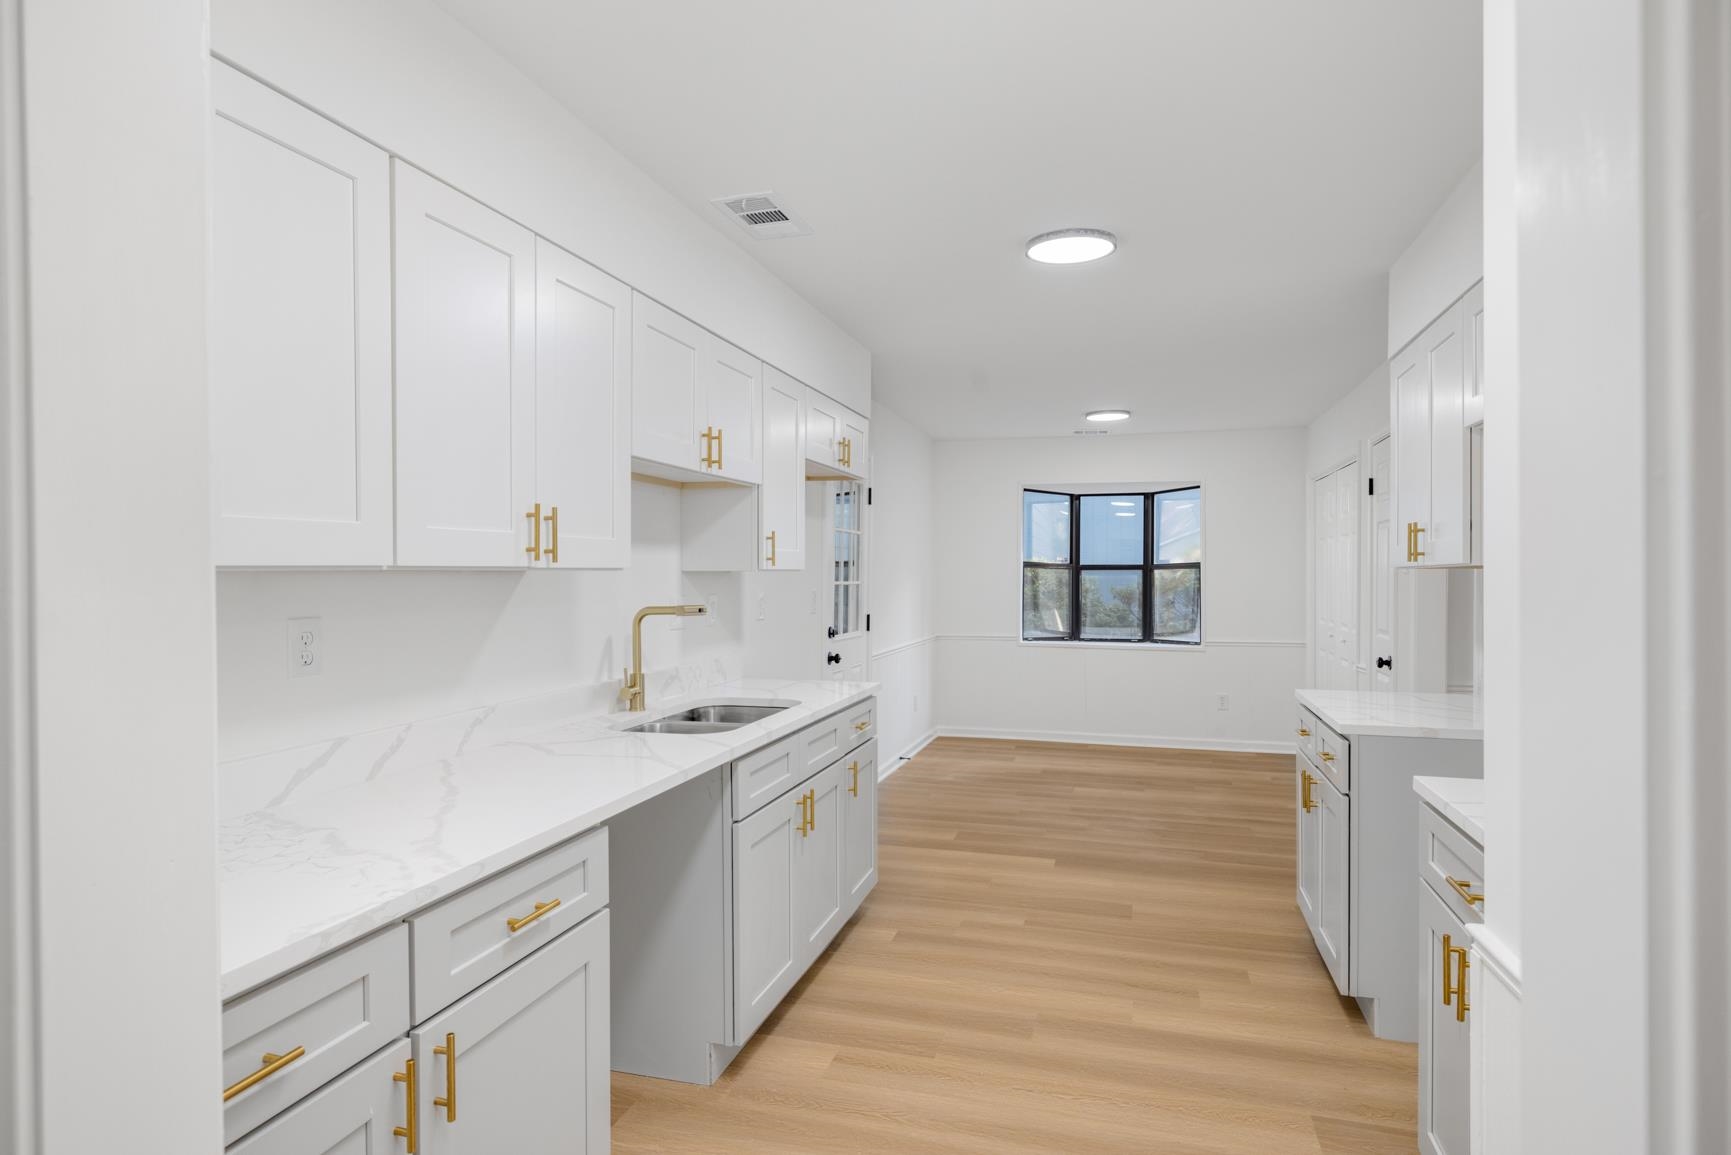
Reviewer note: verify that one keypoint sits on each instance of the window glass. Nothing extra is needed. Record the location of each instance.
(1046, 527)
(1178, 605)
(1178, 526)
(1112, 529)
(1045, 602)
(1112, 605)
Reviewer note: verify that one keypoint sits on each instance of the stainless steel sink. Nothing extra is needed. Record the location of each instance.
(712, 719)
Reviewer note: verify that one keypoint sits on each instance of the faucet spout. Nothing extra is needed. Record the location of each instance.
(632, 691)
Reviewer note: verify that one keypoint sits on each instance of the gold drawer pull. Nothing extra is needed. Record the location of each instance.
(272, 1064)
(1326, 756)
(1303, 733)
(1464, 889)
(854, 789)
(449, 1100)
(411, 1132)
(541, 908)
(863, 725)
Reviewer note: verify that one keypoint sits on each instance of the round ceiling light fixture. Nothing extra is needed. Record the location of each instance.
(1071, 246)
(1109, 415)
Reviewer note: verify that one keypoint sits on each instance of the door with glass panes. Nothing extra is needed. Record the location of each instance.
(846, 651)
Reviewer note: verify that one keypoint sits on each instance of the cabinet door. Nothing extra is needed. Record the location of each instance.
(1309, 852)
(1473, 326)
(1333, 901)
(817, 876)
(582, 412)
(667, 408)
(732, 382)
(1444, 1113)
(1445, 538)
(859, 827)
(856, 445)
(1410, 375)
(300, 341)
(353, 1114)
(766, 960)
(531, 1053)
(465, 292)
(781, 498)
(823, 430)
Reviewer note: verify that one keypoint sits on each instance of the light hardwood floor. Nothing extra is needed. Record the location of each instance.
(1070, 949)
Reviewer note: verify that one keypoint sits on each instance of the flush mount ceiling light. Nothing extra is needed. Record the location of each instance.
(1071, 246)
(1108, 415)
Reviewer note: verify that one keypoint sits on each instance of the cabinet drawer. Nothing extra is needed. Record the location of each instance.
(334, 1012)
(467, 939)
(1450, 861)
(358, 1112)
(1333, 756)
(764, 774)
(860, 724)
(1306, 733)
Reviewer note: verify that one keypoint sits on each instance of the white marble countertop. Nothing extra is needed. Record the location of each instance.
(1398, 713)
(1460, 800)
(303, 877)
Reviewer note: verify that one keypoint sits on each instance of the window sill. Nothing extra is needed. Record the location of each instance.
(1126, 647)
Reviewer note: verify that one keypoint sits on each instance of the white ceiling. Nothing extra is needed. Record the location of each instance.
(1262, 162)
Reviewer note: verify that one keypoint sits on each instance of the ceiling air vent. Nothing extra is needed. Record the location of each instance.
(761, 215)
(1090, 432)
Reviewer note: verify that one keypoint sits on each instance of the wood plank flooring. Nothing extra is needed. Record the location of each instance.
(1070, 949)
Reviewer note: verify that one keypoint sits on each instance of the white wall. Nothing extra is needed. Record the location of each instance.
(1253, 600)
(121, 709)
(1443, 261)
(402, 645)
(406, 75)
(902, 584)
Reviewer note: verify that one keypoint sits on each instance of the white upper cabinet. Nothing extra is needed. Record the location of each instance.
(836, 438)
(1430, 382)
(732, 382)
(667, 408)
(300, 334)
(465, 399)
(1473, 320)
(582, 413)
(781, 499)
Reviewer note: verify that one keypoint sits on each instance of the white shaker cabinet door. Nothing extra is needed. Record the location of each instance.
(1333, 901)
(1410, 374)
(859, 828)
(781, 498)
(465, 399)
(817, 872)
(823, 431)
(300, 340)
(354, 1114)
(1445, 1116)
(766, 954)
(582, 412)
(667, 406)
(733, 402)
(1309, 849)
(855, 444)
(524, 1063)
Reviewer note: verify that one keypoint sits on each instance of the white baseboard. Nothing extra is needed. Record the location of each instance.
(900, 760)
(1225, 745)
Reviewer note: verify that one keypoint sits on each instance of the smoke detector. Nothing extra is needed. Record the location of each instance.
(762, 215)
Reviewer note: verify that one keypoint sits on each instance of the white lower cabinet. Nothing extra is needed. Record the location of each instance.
(1324, 848)
(859, 828)
(1444, 1116)
(523, 1063)
(765, 947)
(356, 1114)
(817, 887)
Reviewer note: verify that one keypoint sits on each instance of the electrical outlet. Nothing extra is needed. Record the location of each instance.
(306, 647)
(1222, 702)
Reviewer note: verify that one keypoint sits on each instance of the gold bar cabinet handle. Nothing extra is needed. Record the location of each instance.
(862, 725)
(811, 809)
(1461, 1007)
(720, 449)
(1307, 800)
(1326, 756)
(804, 818)
(708, 436)
(272, 1064)
(412, 1133)
(771, 538)
(1464, 889)
(1448, 954)
(552, 520)
(854, 789)
(533, 549)
(1417, 529)
(449, 1100)
(1303, 733)
(541, 908)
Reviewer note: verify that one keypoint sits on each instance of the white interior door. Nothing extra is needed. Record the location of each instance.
(781, 498)
(859, 834)
(733, 398)
(1382, 564)
(533, 1056)
(846, 654)
(1323, 494)
(765, 952)
(582, 411)
(666, 395)
(300, 338)
(465, 292)
(1336, 582)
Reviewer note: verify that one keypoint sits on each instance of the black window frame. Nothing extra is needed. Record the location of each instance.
(1150, 565)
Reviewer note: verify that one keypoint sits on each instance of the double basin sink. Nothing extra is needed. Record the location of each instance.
(716, 718)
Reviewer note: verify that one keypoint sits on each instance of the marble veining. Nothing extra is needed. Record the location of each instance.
(308, 871)
(1460, 800)
(1398, 713)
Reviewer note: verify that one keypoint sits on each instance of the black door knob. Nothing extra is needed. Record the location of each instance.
(833, 659)
(832, 631)
(1385, 663)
